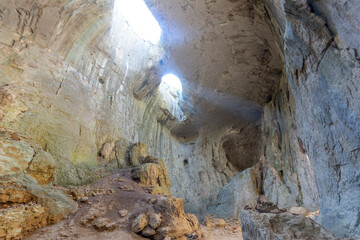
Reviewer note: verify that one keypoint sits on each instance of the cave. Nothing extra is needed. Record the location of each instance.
(179, 119)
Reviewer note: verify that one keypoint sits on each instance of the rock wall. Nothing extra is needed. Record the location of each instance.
(315, 120)
(75, 77)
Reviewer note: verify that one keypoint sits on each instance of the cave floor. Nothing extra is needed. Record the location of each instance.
(106, 199)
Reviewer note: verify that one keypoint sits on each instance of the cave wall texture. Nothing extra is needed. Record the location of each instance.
(74, 76)
(320, 126)
(272, 85)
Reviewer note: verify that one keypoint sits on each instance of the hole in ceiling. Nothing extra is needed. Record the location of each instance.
(140, 19)
(172, 83)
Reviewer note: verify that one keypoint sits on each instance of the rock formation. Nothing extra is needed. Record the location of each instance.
(285, 225)
(268, 108)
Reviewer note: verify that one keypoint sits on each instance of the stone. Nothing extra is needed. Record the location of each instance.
(155, 220)
(153, 173)
(299, 211)
(15, 152)
(219, 223)
(90, 217)
(138, 152)
(148, 232)
(175, 223)
(104, 224)
(42, 168)
(307, 151)
(139, 223)
(289, 66)
(256, 225)
(240, 191)
(211, 222)
(122, 152)
(84, 199)
(199, 234)
(30, 206)
(125, 188)
(17, 220)
(107, 151)
(123, 213)
(152, 200)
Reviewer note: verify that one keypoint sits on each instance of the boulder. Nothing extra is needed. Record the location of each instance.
(153, 173)
(139, 223)
(238, 193)
(284, 225)
(21, 218)
(138, 152)
(175, 223)
(30, 206)
(19, 153)
(148, 232)
(123, 213)
(115, 153)
(104, 224)
(214, 222)
(155, 220)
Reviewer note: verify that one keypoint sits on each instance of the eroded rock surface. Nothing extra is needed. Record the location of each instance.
(154, 174)
(26, 206)
(260, 226)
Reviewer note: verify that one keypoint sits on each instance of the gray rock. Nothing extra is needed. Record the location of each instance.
(148, 232)
(155, 220)
(267, 226)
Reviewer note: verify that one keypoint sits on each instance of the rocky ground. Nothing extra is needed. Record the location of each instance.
(109, 208)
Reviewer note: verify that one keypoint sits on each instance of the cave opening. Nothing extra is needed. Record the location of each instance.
(138, 16)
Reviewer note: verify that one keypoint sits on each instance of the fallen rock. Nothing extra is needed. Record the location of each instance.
(123, 213)
(21, 218)
(139, 223)
(30, 206)
(125, 188)
(199, 234)
(214, 222)
(148, 232)
(153, 173)
(104, 224)
(234, 196)
(267, 207)
(90, 217)
(115, 153)
(151, 200)
(219, 222)
(84, 199)
(155, 220)
(300, 211)
(285, 225)
(175, 223)
(138, 152)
